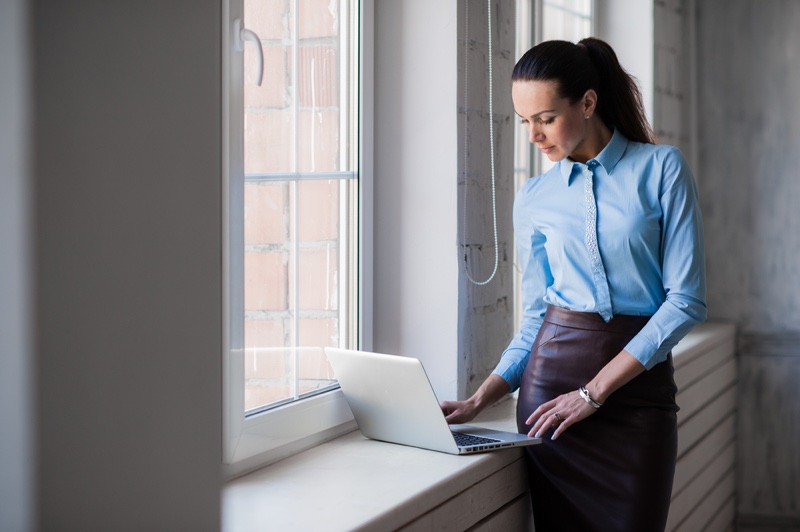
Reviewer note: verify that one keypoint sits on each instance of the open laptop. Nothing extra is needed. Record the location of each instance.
(392, 400)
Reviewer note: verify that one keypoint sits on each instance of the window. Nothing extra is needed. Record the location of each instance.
(293, 183)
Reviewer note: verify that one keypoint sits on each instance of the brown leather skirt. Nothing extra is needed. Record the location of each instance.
(612, 471)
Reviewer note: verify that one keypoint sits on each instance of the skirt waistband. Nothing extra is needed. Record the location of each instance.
(619, 323)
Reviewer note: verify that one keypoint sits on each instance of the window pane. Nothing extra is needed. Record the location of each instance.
(296, 235)
(569, 20)
(300, 199)
(269, 132)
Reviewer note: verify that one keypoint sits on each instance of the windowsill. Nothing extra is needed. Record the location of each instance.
(352, 482)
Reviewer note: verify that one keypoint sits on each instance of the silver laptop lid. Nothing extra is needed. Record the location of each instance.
(392, 399)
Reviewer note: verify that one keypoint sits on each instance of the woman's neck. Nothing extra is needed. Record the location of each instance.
(598, 135)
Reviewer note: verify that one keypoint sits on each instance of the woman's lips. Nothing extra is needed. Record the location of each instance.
(547, 150)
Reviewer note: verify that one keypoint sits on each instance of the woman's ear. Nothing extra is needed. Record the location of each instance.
(589, 103)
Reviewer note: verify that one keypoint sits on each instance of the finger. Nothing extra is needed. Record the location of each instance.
(574, 417)
(452, 416)
(540, 411)
(561, 428)
(539, 426)
(544, 423)
(540, 419)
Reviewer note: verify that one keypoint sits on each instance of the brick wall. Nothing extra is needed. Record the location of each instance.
(486, 322)
(291, 221)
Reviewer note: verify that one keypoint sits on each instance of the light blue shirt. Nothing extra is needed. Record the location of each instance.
(650, 238)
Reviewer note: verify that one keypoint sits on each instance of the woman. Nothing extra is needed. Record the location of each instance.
(610, 242)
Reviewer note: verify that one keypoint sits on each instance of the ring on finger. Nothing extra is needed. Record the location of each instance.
(558, 417)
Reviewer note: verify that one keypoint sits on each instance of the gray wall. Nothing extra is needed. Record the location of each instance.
(749, 123)
(16, 368)
(486, 311)
(128, 271)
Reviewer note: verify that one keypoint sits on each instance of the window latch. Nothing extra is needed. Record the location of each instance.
(242, 35)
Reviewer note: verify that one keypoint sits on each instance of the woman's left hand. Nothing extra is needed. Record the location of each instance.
(562, 412)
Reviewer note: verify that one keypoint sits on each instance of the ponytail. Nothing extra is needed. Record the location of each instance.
(590, 64)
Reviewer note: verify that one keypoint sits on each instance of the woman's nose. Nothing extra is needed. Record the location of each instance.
(535, 134)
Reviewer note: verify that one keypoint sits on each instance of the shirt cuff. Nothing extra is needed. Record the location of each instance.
(512, 366)
(644, 351)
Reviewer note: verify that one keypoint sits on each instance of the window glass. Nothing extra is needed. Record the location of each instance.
(300, 197)
(568, 20)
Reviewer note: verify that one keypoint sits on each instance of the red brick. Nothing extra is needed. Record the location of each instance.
(264, 333)
(319, 18)
(270, 19)
(268, 142)
(318, 85)
(322, 332)
(319, 141)
(318, 278)
(274, 91)
(267, 363)
(264, 281)
(313, 364)
(318, 210)
(265, 213)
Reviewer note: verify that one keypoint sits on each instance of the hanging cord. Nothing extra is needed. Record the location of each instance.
(491, 145)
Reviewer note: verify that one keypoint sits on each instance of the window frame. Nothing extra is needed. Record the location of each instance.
(253, 441)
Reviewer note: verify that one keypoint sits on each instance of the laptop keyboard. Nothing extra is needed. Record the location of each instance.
(465, 440)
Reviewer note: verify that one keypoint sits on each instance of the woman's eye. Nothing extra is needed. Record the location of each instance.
(548, 121)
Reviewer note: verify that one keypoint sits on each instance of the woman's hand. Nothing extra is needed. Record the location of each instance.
(570, 408)
(459, 411)
(562, 412)
(492, 390)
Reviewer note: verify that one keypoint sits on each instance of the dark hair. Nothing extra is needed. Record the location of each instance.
(590, 64)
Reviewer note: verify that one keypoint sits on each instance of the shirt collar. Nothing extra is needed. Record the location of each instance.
(607, 158)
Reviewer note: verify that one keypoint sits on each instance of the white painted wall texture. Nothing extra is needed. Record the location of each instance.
(749, 123)
(486, 312)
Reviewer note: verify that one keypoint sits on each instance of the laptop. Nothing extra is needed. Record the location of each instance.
(393, 401)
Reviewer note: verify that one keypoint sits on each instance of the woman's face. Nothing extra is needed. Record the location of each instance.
(557, 127)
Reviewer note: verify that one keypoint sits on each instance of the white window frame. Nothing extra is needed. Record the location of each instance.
(257, 440)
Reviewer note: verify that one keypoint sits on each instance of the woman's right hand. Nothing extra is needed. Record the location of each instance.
(492, 390)
(456, 412)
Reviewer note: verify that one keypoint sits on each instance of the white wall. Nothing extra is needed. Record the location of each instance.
(627, 25)
(128, 273)
(16, 408)
(415, 185)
